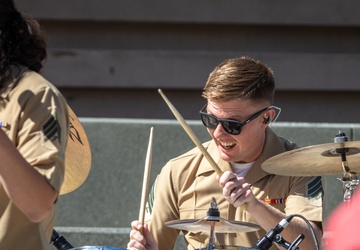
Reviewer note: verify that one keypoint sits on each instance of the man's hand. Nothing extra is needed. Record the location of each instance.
(141, 241)
(236, 190)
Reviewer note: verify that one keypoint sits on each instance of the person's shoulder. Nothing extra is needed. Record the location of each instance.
(273, 138)
(33, 83)
(288, 145)
(33, 80)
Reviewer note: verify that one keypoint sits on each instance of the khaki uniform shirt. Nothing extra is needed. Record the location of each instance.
(34, 116)
(186, 186)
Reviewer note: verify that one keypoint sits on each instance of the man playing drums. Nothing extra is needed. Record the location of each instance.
(239, 109)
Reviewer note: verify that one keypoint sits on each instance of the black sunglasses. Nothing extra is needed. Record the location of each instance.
(232, 127)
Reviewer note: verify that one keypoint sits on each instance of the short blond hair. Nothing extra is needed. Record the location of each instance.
(240, 78)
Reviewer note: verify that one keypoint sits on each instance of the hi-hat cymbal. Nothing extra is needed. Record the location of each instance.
(317, 160)
(77, 156)
(220, 225)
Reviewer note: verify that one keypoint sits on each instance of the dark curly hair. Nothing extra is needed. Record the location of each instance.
(21, 41)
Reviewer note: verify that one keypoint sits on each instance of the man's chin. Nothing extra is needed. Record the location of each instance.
(227, 157)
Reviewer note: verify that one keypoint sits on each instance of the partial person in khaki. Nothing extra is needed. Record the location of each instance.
(33, 136)
(239, 107)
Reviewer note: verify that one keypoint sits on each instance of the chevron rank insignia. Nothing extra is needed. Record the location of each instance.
(51, 129)
(314, 191)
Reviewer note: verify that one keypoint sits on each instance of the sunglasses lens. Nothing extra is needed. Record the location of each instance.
(232, 127)
(209, 121)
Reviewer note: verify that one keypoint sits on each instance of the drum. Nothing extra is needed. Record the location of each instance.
(97, 248)
(225, 248)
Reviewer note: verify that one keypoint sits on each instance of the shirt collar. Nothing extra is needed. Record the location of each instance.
(273, 146)
(205, 166)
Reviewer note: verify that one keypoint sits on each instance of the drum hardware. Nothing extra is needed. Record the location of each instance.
(266, 241)
(286, 245)
(213, 216)
(220, 225)
(349, 178)
(59, 242)
(350, 182)
(214, 223)
(320, 160)
(273, 235)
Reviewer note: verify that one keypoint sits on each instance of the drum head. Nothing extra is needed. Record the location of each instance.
(97, 248)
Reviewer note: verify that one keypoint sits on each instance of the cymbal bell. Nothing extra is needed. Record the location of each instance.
(317, 160)
(220, 225)
(77, 156)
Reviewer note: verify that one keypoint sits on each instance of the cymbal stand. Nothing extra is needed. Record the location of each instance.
(349, 179)
(213, 215)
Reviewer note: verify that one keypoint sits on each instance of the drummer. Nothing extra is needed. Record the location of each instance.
(239, 107)
(33, 135)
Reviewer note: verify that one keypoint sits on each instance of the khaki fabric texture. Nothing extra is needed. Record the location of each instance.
(186, 186)
(35, 118)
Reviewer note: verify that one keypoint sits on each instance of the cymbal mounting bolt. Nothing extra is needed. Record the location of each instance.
(340, 137)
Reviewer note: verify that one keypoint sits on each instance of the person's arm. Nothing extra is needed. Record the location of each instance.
(268, 217)
(165, 208)
(238, 192)
(25, 186)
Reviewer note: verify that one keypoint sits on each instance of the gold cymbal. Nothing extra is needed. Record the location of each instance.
(77, 156)
(220, 225)
(317, 160)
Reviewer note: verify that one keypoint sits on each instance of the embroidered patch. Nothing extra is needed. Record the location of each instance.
(51, 129)
(314, 191)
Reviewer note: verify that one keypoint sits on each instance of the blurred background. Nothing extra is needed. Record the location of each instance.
(110, 57)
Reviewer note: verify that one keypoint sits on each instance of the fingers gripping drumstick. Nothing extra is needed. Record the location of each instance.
(146, 178)
(192, 135)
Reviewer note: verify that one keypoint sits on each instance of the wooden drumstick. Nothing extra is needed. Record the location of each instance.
(144, 191)
(192, 135)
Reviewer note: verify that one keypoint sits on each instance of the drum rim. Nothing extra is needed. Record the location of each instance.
(97, 248)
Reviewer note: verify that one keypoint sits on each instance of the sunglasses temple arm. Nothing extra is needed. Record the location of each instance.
(191, 134)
